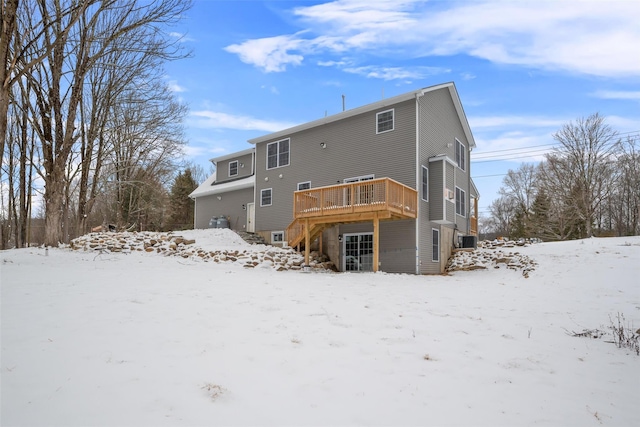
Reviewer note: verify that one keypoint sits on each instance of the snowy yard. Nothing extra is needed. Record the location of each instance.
(141, 339)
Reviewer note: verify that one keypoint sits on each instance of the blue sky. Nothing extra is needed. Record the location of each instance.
(522, 69)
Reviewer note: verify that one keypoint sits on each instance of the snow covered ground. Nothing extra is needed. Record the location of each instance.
(142, 339)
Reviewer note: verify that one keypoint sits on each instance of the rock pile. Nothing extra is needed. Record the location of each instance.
(481, 259)
(169, 244)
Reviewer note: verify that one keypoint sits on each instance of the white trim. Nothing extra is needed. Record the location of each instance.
(237, 168)
(280, 242)
(344, 248)
(359, 178)
(251, 219)
(463, 153)
(464, 198)
(301, 183)
(232, 155)
(278, 165)
(420, 213)
(270, 197)
(209, 187)
(393, 121)
(443, 157)
(439, 243)
(424, 169)
(387, 102)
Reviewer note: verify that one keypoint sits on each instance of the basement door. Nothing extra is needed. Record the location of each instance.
(358, 252)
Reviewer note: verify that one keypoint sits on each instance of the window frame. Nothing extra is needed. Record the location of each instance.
(461, 155)
(461, 202)
(303, 183)
(276, 233)
(425, 186)
(270, 190)
(435, 244)
(393, 121)
(278, 153)
(237, 168)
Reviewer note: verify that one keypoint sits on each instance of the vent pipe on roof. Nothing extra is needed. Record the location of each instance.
(342, 102)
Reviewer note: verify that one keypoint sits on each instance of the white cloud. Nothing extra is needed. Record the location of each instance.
(213, 119)
(180, 36)
(592, 37)
(396, 73)
(514, 121)
(617, 94)
(274, 90)
(270, 54)
(173, 86)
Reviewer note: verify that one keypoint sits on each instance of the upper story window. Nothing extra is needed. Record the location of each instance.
(425, 184)
(233, 168)
(278, 154)
(265, 197)
(384, 121)
(304, 185)
(461, 154)
(461, 202)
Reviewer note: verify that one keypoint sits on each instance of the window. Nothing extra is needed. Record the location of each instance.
(265, 197)
(304, 185)
(461, 155)
(384, 121)
(461, 202)
(425, 184)
(278, 154)
(233, 168)
(277, 237)
(363, 194)
(435, 237)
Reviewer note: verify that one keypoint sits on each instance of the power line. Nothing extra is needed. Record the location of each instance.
(534, 153)
(556, 143)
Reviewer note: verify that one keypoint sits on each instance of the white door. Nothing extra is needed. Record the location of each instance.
(251, 217)
(357, 252)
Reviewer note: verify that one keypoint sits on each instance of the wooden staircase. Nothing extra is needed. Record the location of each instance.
(316, 209)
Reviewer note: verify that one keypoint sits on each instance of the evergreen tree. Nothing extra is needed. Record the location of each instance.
(181, 207)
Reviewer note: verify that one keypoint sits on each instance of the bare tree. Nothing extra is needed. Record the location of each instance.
(580, 170)
(76, 47)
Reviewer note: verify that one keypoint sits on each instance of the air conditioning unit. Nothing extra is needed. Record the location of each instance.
(449, 194)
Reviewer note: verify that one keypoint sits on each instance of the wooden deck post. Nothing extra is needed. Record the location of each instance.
(307, 242)
(320, 244)
(376, 239)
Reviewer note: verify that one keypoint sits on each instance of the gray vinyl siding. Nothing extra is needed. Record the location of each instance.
(222, 168)
(229, 206)
(450, 206)
(439, 126)
(436, 191)
(352, 149)
(397, 244)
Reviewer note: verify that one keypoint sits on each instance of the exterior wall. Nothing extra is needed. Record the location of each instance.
(229, 205)
(439, 126)
(222, 168)
(352, 149)
(397, 245)
(435, 207)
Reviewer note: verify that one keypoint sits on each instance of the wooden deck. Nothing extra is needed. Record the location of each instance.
(316, 209)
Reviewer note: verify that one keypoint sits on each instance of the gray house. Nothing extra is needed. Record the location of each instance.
(383, 187)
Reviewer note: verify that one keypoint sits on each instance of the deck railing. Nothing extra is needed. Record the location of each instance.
(383, 194)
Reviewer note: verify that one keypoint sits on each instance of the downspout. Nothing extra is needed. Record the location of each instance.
(195, 212)
(468, 204)
(418, 182)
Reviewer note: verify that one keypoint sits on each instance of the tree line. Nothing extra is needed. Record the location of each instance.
(87, 123)
(589, 185)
